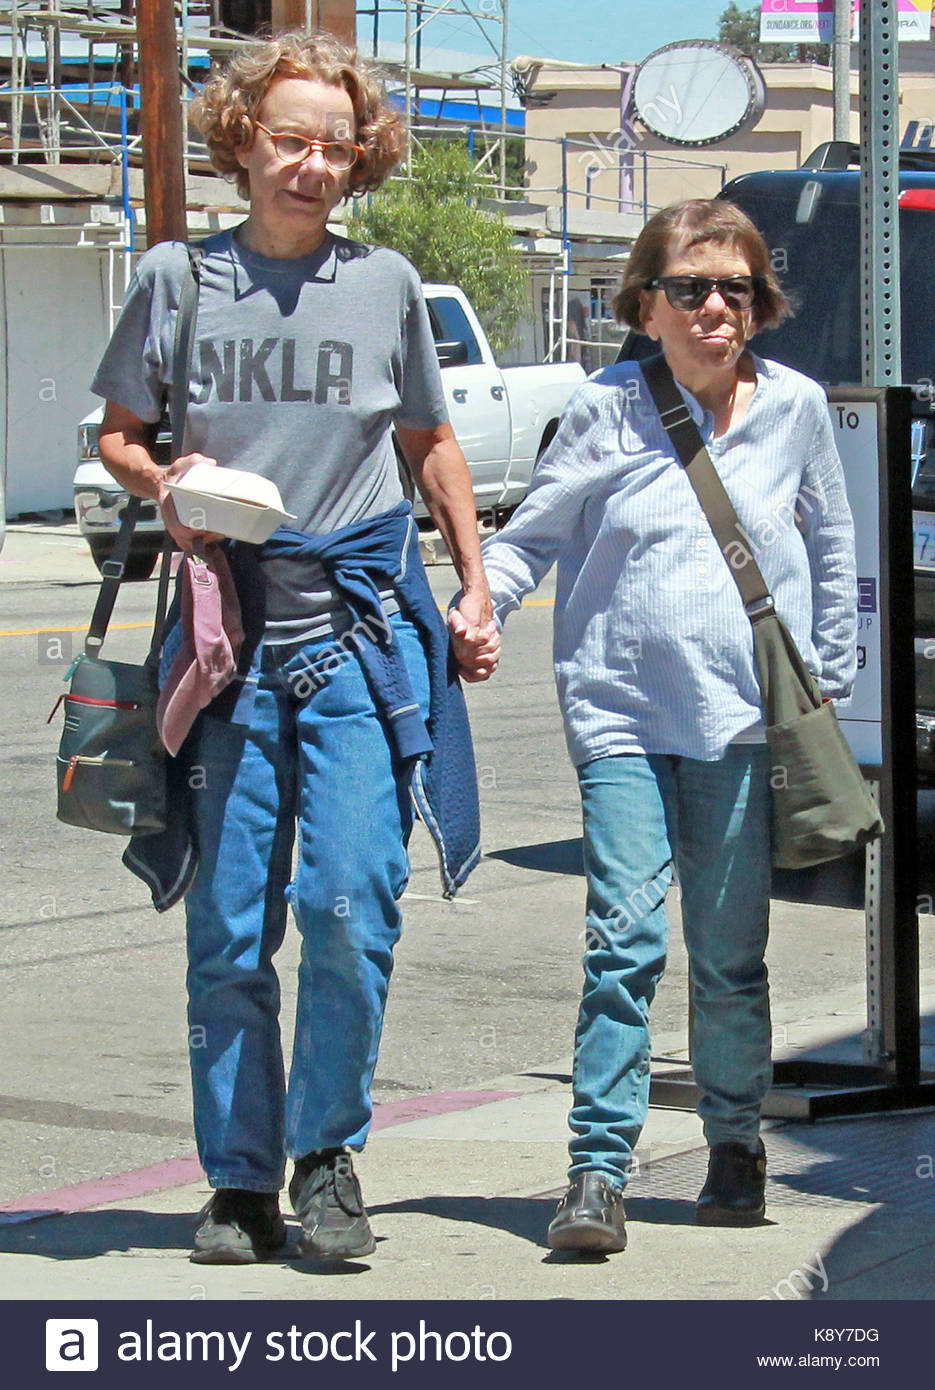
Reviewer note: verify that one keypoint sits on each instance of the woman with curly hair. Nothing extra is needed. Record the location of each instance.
(311, 352)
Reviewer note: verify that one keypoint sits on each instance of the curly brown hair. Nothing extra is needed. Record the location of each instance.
(226, 108)
(692, 223)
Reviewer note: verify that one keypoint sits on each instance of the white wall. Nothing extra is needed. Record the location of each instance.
(53, 330)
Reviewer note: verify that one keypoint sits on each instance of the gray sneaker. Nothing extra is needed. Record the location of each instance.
(238, 1227)
(326, 1198)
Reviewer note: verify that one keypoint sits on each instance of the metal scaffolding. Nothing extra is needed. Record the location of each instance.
(82, 129)
(490, 19)
(104, 31)
(49, 37)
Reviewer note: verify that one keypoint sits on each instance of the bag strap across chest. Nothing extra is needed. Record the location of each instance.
(701, 473)
(113, 568)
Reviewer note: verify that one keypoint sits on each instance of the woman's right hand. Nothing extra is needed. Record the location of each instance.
(186, 537)
(476, 644)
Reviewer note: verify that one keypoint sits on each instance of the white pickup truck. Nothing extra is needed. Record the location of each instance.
(503, 418)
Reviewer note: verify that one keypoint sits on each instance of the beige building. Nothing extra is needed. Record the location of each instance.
(598, 177)
(583, 107)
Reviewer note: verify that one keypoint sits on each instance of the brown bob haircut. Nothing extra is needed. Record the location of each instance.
(693, 223)
(226, 108)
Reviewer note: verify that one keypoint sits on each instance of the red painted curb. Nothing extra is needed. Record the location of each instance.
(178, 1172)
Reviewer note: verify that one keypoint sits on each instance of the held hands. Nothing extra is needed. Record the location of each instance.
(475, 637)
(186, 538)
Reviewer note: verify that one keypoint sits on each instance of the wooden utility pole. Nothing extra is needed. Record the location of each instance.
(127, 75)
(161, 124)
(339, 17)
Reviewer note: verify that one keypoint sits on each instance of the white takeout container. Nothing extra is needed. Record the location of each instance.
(230, 501)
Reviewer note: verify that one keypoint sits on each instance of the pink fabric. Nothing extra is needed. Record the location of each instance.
(212, 635)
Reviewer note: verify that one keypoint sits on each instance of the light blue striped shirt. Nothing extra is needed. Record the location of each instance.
(653, 650)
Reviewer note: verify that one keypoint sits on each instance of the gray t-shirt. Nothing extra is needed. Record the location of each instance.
(300, 370)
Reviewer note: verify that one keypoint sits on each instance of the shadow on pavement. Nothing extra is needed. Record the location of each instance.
(85, 1235)
(661, 1211)
(840, 884)
(887, 1162)
(529, 1217)
(82, 1235)
(883, 1256)
(526, 1217)
(554, 856)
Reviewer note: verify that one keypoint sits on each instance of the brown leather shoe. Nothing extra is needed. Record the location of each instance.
(590, 1216)
(734, 1193)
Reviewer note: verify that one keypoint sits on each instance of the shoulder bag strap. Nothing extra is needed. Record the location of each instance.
(113, 569)
(701, 473)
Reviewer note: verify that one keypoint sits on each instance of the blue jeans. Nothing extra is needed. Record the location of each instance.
(316, 754)
(712, 820)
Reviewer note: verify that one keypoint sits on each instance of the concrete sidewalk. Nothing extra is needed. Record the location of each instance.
(461, 1187)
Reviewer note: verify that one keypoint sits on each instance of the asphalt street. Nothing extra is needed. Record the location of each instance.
(93, 1071)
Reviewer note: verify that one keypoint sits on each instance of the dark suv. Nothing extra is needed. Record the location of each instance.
(810, 218)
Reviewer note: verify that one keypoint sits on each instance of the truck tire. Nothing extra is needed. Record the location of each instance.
(548, 434)
(140, 563)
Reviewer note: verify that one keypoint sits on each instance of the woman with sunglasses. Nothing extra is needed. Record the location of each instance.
(655, 673)
(312, 352)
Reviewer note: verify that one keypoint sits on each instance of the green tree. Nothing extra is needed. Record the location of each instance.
(515, 161)
(742, 29)
(434, 219)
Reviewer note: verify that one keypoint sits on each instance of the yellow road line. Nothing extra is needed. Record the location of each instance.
(35, 631)
(125, 627)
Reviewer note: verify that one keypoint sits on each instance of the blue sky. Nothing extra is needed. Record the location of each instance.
(583, 31)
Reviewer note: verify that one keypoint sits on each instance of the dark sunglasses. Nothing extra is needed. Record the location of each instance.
(690, 291)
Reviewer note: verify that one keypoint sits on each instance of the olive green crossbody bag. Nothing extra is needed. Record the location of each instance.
(822, 808)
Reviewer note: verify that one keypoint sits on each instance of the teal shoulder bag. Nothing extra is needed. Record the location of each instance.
(111, 765)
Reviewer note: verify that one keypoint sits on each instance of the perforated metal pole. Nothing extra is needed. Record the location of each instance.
(875, 156)
(892, 924)
(881, 359)
(874, 1045)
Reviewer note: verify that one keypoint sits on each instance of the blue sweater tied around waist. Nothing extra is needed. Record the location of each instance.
(358, 560)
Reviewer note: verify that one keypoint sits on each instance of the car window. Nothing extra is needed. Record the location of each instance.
(818, 263)
(450, 325)
(817, 260)
(818, 266)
